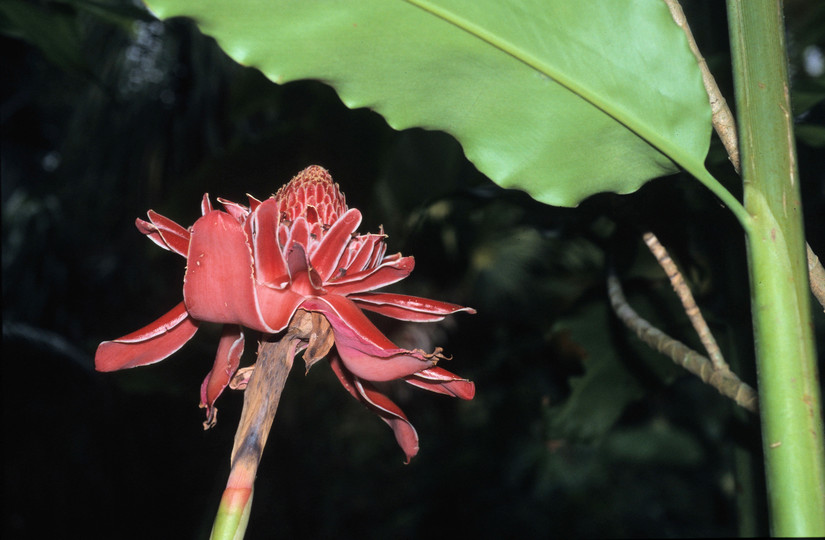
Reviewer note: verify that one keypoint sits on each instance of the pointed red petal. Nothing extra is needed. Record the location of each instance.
(349, 321)
(165, 233)
(390, 271)
(365, 351)
(299, 272)
(206, 204)
(253, 202)
(167, 322)
(443, 382)
(298, 234)
(328, 252)
(359, 252)
(389, 412)
(378, 255)
(151, 231)
(237, 211)
(219, 285)
(230, 349)
(406, 308)
(148, 345)
(270, 265)
(277, 306)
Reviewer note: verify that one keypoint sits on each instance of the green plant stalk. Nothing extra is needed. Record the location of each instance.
(233, 513)
(789, 396)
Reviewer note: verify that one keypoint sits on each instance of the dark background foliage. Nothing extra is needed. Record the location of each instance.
(576, 430)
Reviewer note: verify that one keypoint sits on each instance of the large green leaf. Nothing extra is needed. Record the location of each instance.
(562, 99)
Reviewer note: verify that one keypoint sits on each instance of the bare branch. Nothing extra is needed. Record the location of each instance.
(684, 294)
(723, 120)
(725, 381)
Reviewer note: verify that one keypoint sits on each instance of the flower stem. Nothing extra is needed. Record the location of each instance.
(261, 398)
(233, 513)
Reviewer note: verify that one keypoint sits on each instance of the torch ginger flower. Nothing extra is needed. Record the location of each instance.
(255, 267)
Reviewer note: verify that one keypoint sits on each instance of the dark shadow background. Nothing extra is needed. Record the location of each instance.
(576, 429)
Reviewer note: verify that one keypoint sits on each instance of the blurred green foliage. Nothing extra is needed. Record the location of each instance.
(576, 429)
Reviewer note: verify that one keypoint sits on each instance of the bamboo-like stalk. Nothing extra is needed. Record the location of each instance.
(789, 394)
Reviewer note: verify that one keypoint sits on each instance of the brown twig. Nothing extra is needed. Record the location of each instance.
(723, 120)
(688, 303)
(725, 126)
(725, 381)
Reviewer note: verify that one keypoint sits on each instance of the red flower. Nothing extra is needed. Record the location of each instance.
(255, 267)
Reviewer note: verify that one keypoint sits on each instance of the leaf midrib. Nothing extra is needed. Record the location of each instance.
(611, 109)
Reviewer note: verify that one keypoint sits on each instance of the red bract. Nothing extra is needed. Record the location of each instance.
(255, 266)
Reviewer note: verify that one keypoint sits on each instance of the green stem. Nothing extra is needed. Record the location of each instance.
(233, 513)
(261, 399)
(789, 395)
